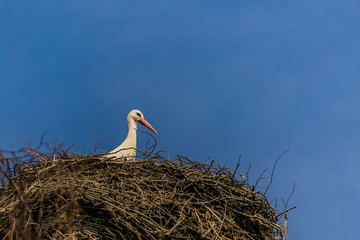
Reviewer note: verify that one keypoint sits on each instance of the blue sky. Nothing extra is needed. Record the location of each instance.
(215, 78)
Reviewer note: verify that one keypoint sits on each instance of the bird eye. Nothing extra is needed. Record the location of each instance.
(139, 115)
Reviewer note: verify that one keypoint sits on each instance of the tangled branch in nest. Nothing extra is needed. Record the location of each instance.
(91, 197)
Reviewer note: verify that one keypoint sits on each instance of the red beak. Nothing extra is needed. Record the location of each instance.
(146, 124)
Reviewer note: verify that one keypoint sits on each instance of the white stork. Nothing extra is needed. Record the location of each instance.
(128, 148)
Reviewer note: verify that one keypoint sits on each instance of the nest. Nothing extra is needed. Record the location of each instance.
(92, 197)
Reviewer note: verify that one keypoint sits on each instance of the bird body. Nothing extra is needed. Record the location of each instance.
(127, 149)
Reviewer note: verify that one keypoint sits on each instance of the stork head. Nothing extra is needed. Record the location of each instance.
(137, 116)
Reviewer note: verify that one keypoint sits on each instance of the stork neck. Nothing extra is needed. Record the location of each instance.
(132, 127)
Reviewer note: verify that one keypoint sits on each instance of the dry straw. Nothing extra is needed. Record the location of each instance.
(92, 197)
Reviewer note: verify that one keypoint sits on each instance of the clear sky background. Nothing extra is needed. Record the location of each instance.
(215, 78)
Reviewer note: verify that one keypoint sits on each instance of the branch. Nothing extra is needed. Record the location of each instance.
(273, 170)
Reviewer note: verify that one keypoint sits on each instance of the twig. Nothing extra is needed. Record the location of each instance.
(273, 170)
(285, 226)
(288, 198)
(260, 178)
(285, 211)
(237, 166)
(247, 173)
(149, 151)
